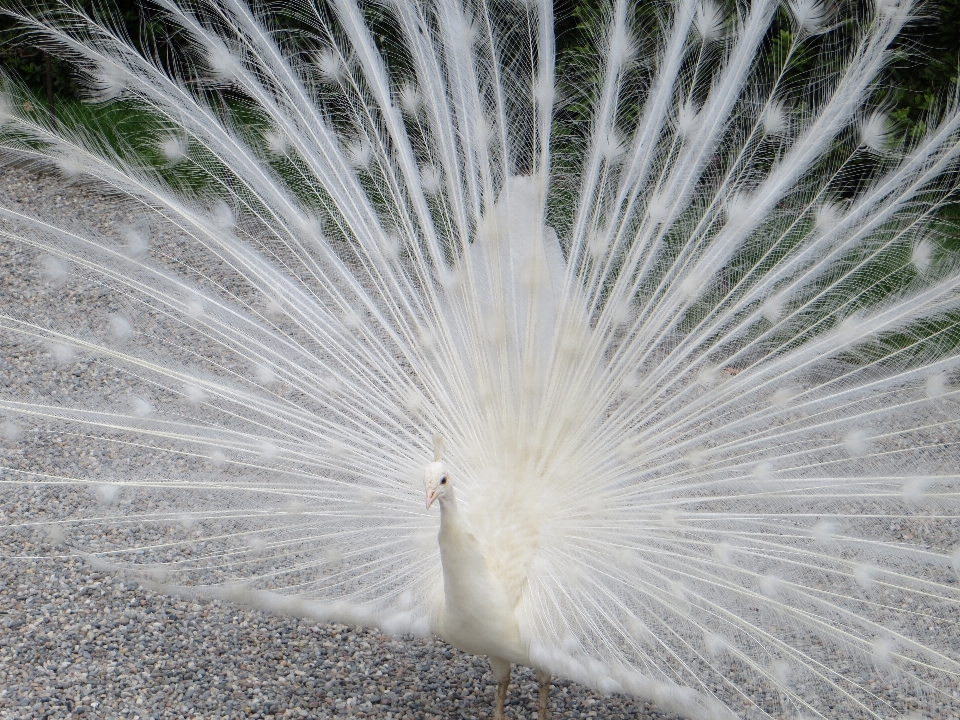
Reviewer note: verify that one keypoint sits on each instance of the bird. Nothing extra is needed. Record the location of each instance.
(666, 324)
(479, 602)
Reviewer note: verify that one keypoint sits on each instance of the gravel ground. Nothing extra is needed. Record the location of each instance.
(75, 642)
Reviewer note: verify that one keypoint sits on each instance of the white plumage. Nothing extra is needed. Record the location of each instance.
(482, 587)
(681, 311)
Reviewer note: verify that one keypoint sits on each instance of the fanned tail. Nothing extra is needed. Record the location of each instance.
(685, 324)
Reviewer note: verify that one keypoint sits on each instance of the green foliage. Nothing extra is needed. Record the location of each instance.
(924, 68)
(21, 58)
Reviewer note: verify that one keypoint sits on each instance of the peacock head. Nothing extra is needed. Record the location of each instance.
(436, 481)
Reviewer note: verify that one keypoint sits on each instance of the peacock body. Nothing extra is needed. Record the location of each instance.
(693, 359)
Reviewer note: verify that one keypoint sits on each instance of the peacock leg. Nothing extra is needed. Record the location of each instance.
(543, 679)
(501, 673)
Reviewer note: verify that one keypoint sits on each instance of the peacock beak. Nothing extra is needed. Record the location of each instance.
(431, 496)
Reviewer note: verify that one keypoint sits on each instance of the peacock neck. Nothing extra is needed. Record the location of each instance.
(448, 507)
(453, 534)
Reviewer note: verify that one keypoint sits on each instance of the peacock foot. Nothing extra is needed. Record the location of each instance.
(543, 679)
(501, 672)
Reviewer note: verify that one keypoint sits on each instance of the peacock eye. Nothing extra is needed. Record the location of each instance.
(443, 480)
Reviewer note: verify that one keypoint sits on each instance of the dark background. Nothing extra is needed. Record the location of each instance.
(922, 73)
